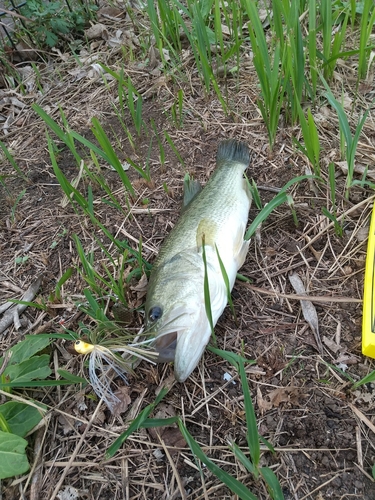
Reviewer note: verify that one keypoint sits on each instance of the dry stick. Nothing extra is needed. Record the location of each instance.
(359, 446)
(311, 298)
(28, 296)
(174, 468)
(6, 358)
(322, 485)
(23, 400)
(362, 417)
(35, 475)
(285, 270)
(342, 216)
(365, 473)
(75, 453)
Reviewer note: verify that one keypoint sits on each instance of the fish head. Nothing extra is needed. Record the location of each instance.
(177, 319)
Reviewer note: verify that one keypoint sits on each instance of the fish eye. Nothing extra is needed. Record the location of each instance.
(155, 313)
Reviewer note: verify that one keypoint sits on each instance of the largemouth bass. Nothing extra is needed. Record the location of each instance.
(216, 217)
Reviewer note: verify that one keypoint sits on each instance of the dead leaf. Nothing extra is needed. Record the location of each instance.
(170, 434)
(362, 233)
(141, 289)
(141, 286)
(97, 31)
(78, 74)
(263, 405)
(66, 423)
(331, 344)
(308, 309)
(68, 493)
(28, 77)
(291, 395)
(358, 169)
(123, 395)
(113, 13)
(168, 382)
(64, 57)
(349, 359)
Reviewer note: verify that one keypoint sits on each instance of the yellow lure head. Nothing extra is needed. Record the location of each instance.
(83, 347)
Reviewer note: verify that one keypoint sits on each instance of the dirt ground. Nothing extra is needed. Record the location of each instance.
(322, 431)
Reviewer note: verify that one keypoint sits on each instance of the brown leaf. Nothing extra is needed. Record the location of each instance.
(122, 405)
(109, 12)
(141, 286)
(66, 423)
(308, 308)
(141, 289)
(331, 344)
(97, 31)
(262, 404)
(280, 395)
(170, 434)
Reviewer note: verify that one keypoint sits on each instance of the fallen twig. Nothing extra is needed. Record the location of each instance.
(12, 314)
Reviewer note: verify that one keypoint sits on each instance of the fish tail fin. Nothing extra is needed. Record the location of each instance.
(233, 151)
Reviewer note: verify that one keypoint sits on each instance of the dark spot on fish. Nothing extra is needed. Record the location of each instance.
(155, 313)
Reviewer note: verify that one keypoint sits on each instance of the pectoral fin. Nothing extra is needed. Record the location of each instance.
(240, 247)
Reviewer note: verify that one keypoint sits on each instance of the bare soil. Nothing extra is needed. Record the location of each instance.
(322, 431)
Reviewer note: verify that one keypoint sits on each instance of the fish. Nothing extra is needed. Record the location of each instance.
(216, 217)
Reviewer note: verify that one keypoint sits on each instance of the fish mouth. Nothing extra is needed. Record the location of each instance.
(166, 345)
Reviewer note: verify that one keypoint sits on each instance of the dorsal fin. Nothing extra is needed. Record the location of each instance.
(191, 189)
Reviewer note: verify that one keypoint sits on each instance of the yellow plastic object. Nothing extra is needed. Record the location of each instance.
(368, 321)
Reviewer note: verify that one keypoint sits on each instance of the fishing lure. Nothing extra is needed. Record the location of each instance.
(107, 357)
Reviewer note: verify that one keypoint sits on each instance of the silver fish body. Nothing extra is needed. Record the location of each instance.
(175, 307)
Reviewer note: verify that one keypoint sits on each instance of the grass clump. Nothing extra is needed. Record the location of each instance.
(50, 22)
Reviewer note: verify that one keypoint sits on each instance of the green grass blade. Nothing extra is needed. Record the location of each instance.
(64, 278)
(36, 383)
(368, 379)
(278, 200)
(206, 289)
(332, 184)
(240, 455)
(12, 161)
(232, 483)
(63, 136)
(73, 378)
(273, 485)
(365, 31)
(227, 284)
(344, 124)
(107, 148)
(71, 192)
(312, 47)
(171, 143)
(252, 434)
(231, 357)
(159, 422)
(136, 424)
(326, 17)
(253, 188)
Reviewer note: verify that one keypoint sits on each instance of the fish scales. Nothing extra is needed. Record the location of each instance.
(175, 310)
